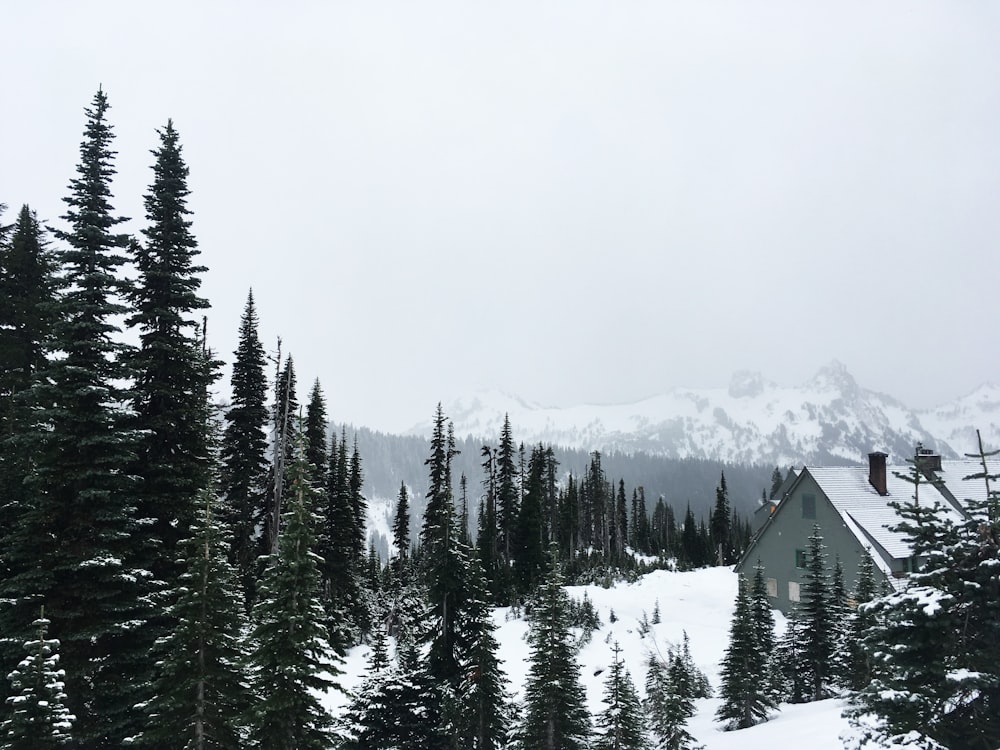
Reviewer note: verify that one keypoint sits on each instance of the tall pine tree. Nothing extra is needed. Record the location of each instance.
(169, 368)
(244, 454)
(81, 494)
(554, 715)
(291, 659)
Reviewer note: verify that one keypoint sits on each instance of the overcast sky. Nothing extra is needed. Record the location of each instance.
(570, 201)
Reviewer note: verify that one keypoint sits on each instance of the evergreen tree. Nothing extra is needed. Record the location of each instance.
(341, 567)
(396, 708)
(283, 416)
(858, 667)
(745, 698)
(622, 724)
(555, 713)
(315, 435)
(359, 505)
(244, 454)
(82, 495)
(39, 718)
(291, 660)
(763, 618)
(790, 668)
(776, 481)
(200, 694)
(669, 705)
(935, 648)
(529, 553)
(508, 492)
(401, 529)
(485, 712)
(444, 565)
(488, 531)
(818, 617)
(169, 368)
(721, 544)
(27, 310)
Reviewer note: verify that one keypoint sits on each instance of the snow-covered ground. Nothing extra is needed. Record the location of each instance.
(699, 603)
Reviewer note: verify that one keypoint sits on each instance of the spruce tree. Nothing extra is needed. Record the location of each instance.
(621, 725)
(508, 494)
(315, 436)
(291, 659)
(169, 367)
(745, 697)
(284, 438)
(401, 530)
(340, 565)
(818, 618)
(200, 695)
(669, 704)
(721, 543)
(528, 549)
(444, 566)
(554, 712)
(27, 314)
(38, 717)
(82, 495)
(935, 646)
(244, 454)
(486, 719)
(858, 667)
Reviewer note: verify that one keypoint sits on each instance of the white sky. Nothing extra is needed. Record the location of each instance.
(572, 201)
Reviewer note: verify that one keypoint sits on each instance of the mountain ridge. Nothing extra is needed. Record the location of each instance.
(830, 419)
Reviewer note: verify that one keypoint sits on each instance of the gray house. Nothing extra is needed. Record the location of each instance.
(851, 505)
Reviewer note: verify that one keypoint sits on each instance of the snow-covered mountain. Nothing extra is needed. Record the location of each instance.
(828, 420)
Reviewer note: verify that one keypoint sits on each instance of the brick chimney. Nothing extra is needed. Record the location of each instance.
(876, 471)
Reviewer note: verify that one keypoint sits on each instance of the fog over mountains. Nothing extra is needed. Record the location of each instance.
(830, 419)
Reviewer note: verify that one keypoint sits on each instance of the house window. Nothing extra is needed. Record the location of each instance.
(808, 506)
(793, 591)
(772, 587)
(800, 558)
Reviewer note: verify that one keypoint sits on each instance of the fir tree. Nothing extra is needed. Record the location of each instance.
(935, 647)
(818, 618)
(200, 691)
(442, 559)
(315, 436)
(291, 659)
(621, 725)
(244, 454)
(508, 492)
(721, 543)
(669, 704)
(401, 529)
(82, 496)
(745, 698)
(283, 417)
(858, 667)
(169, 367)
(39, 718)
(790, 668)
(555, 713)
(776, 481)
(340, 567)
(27, 310)
(529, 552)
(485, 709)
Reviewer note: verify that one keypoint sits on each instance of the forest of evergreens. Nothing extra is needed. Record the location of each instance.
(173, 574)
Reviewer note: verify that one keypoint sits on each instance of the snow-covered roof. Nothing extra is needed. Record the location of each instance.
(868, 513)
(954, 473)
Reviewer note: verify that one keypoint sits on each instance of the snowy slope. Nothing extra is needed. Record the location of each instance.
(699, 603)
(828, 420)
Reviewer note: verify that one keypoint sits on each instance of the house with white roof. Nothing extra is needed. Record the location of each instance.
(853, 507)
